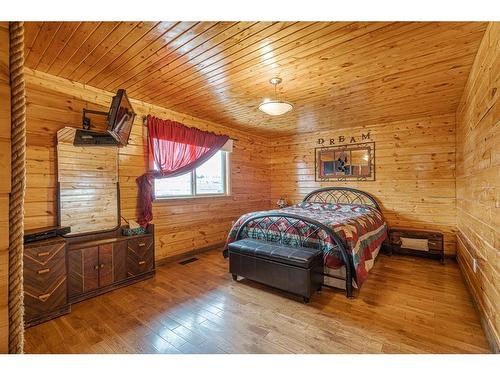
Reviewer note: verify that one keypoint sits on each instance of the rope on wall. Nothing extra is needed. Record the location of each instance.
(18, 178)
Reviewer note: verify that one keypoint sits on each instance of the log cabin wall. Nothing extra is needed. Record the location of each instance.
(414, 163)
(181, 225)
(4, 183)
(478, 182)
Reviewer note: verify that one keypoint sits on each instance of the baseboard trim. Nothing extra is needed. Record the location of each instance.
(485, 323)
(175, 258)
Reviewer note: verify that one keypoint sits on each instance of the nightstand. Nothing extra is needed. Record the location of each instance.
(418, 242)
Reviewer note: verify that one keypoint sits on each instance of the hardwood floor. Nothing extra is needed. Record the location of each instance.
(407, 305)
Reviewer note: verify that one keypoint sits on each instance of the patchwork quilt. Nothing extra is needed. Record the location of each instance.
(361, 228)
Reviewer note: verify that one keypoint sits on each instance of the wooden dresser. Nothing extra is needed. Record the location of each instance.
(62, 271)
(45, 280)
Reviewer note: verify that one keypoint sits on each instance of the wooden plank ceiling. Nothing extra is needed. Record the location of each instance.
(336, 74)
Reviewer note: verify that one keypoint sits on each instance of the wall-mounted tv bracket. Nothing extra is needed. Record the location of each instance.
(86, 121)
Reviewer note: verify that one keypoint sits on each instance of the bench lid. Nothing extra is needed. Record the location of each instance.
(301, 257)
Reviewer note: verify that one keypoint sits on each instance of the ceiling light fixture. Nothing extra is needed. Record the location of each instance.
(275, 107)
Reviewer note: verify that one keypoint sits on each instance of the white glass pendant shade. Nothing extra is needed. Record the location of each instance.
(275, 107)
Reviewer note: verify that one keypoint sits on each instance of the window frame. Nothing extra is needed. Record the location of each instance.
(194, 195)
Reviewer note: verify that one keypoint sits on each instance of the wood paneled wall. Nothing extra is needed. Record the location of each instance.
(415, 171)
(478, 181)
(180, 225)
(4, 183)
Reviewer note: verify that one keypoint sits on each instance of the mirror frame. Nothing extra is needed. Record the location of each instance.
(348, 147)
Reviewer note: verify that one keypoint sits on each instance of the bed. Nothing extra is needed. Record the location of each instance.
(346, 224)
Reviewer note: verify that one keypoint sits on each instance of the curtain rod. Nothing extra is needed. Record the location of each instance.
(145, 122)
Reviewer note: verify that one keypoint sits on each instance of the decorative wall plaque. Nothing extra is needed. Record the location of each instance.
(349, 162)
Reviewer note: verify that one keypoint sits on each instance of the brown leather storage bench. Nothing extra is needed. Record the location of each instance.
(296, 270)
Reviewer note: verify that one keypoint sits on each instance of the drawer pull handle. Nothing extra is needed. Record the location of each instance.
(102, 265)
(142, 262)
(96, 267)
(45, 270)
(142, 244)
(44, 297)
(43, 254)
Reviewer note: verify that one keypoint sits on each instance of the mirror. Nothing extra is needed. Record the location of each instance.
(345, 163)
(88, 185)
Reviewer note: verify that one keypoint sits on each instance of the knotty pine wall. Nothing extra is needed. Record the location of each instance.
(180, 225)
(4, 183)
(478, 181)
(415, 171)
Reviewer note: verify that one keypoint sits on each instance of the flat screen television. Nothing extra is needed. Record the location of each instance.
(120, 118)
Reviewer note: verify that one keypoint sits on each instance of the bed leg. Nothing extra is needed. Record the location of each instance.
(348, 283)
(306, 299)
(348, 294)
(348, 289)
(235, 277)
(443, 262)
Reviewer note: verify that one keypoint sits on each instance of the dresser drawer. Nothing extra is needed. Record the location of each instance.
(140, 255)
(140, 245)
(40, 302)
(44, 276)
(44, 252)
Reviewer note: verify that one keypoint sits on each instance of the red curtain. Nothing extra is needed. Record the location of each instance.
(174, 149)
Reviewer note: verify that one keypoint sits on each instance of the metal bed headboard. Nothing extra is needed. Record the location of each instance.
(337, 194)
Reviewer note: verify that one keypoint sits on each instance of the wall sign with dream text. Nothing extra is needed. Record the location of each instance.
(343, 159)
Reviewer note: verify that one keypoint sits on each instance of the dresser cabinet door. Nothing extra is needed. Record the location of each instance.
(140, 255)
(119, 261)
(90, 260)
(83, 270)
(96, 267)
(105, 264)
(44, 278)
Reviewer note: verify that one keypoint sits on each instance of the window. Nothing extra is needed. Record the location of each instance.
(210, 178)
